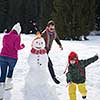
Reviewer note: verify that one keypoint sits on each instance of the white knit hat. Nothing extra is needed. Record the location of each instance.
(17, 27)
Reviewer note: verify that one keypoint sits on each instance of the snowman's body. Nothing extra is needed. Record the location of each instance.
(38, 68)
(37, 86)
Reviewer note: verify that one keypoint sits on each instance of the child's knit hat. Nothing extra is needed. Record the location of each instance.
(17, 28)
(71, 56)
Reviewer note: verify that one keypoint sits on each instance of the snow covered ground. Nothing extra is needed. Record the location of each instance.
(84, 49)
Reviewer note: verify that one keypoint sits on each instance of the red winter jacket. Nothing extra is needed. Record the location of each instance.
(11, 45)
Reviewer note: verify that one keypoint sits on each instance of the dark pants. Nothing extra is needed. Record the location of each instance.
(51, 70)
(6, 67)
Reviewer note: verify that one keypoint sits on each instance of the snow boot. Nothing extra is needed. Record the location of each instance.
(84, 97)
(2, 90)
(56, 80)
(9, 84)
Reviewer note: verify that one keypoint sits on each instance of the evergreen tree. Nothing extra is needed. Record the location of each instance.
(46, 8)
(74, 18)
(98, 15)
(3, 14)
(13, 12)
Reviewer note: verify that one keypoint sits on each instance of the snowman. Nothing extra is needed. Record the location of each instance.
(37, 87)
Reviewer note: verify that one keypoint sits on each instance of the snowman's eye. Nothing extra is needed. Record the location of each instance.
(41, 42)
(36, 41)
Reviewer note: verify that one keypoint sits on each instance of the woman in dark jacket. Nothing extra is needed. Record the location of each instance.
(49, 34)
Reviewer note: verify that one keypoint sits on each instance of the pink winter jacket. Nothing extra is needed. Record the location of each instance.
(11, 45)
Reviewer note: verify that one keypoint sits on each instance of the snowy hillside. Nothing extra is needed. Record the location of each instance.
(84, 49)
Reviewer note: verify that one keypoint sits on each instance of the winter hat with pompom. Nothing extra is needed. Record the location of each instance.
(38, 34)
(71, 56)
(17, 28)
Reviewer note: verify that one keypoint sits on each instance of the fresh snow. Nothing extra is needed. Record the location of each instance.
(84, 49)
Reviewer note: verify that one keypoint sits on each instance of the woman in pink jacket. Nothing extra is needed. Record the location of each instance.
(8, 56)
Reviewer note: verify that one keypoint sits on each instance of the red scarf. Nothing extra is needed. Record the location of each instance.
(49, 37)
(81, 71)
(34, 51)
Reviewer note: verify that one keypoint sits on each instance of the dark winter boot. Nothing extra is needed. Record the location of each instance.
(56, 81)
(85, 38)
(84, 97)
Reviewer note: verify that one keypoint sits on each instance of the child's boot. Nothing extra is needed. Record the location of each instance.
(2, 90)
(84, 97)
(8, 84)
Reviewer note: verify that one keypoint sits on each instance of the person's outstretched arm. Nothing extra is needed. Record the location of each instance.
(58, 42)
(90, 60)
(17, 44)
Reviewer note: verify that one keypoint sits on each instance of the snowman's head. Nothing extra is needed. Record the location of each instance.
(38, 43)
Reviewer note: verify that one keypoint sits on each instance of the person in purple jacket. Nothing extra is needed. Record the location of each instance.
(9, 56)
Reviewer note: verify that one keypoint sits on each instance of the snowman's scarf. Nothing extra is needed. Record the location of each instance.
(34, 51)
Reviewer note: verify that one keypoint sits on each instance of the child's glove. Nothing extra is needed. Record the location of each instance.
(68, 83)
(64, 72)
(22, 46)
(61, 47)
(97, 55)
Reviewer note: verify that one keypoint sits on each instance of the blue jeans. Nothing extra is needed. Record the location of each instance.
(7, 65)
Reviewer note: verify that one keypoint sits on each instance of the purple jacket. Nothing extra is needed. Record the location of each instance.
(11, 45)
